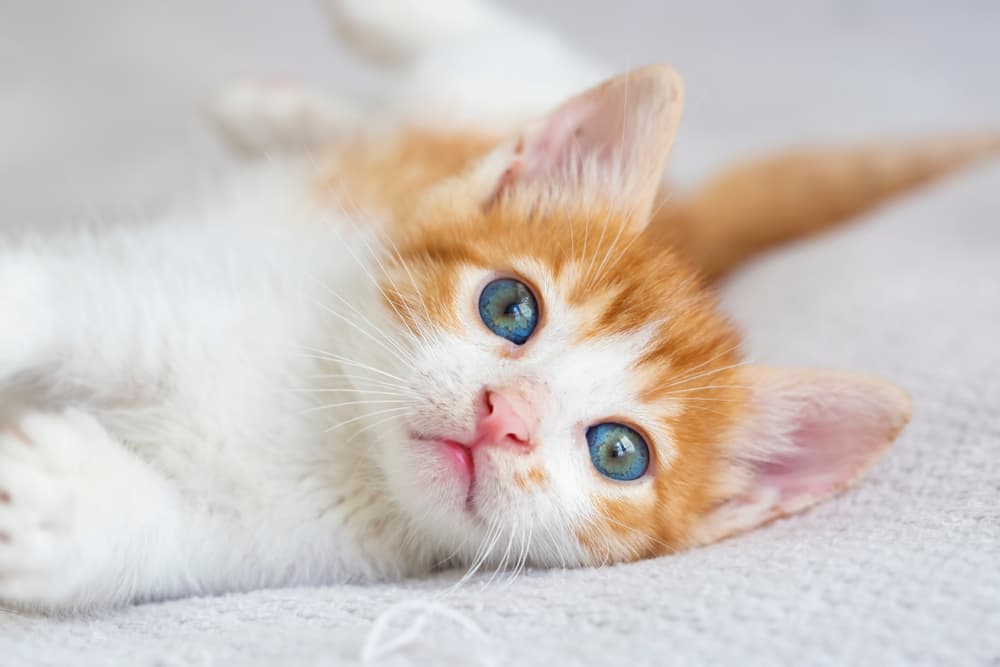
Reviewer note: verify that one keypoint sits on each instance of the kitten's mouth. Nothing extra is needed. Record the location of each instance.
(457, 459)
(460, 458)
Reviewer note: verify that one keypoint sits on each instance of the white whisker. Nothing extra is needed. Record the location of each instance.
(374, 424)
(345, 404)
(366, 416)
(352, 390)
(386, 343)
(693, 375)
(702, 375)
(703, 388)
(502, 565)
(378, 382)
(486, 548)
(330, 356)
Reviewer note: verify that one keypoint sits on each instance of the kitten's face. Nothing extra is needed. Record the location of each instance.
(578, 398)
(571, 382)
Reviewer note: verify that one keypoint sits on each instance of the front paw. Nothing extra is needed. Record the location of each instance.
(261, 117)
(43, 497)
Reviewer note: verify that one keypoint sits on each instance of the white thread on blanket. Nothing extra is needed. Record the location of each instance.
(379, 643)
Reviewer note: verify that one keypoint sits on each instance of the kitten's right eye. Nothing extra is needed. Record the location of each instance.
(509, 309)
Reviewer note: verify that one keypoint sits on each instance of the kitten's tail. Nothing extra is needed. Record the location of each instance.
(765, 202)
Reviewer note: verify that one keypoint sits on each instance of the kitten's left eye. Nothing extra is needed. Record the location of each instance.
(509, 309)
(618, 452)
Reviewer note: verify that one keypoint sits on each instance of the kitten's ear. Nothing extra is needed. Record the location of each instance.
(808, 435)
(611, 140)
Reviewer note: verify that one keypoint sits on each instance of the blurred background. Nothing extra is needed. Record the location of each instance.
(102, 116)
(101, 103)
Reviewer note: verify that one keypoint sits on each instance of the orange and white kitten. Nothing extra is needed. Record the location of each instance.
(439, 342)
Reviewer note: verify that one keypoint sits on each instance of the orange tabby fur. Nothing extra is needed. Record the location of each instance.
(761, 203)
(415, 179)
(746, 209)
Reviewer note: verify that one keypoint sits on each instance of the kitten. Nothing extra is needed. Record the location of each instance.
(437, 343)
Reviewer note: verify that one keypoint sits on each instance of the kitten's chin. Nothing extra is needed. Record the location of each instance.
(453, 489)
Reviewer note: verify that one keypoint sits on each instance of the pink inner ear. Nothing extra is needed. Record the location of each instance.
(611, 140)
(827, 458)
(837, 427)
(583, 128)
(809, 435)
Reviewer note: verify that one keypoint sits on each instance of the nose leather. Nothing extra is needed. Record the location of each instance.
(506, 420)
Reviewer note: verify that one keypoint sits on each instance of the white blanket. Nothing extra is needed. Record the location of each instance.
(904, 569)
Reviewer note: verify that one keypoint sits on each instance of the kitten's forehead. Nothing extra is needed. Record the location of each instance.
(598, 282)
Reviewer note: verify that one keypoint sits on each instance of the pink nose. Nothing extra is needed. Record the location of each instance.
(505, 420)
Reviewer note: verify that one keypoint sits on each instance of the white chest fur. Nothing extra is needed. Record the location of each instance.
(215, 346)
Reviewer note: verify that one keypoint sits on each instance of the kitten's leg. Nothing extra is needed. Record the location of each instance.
(83, 522)
(260, 117)
(395, 32)
(468, 62)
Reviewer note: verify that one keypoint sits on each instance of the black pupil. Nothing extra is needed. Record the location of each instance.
(621, 449)
(513, 310)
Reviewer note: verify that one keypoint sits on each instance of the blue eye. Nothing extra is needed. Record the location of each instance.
(617, 451)
(509, 310)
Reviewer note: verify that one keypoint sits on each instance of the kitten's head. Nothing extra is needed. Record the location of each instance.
(579, 397)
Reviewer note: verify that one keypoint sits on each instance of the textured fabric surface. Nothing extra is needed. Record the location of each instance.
(904, 569)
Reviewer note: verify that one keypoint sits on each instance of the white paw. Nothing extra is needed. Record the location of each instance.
(395, 31)
(43, 497)
(278, 115)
